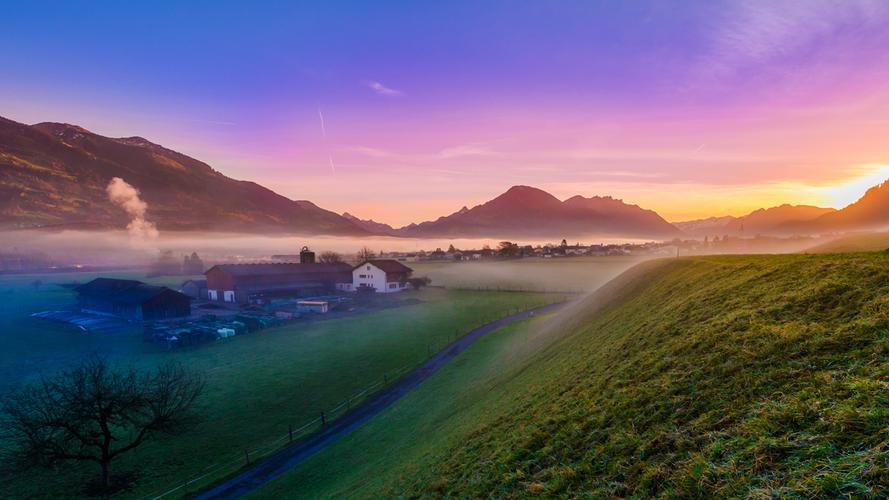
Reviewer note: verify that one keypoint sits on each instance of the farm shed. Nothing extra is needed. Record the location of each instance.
(259, 283)
(131, 300)
(313, 306)
(196, 289)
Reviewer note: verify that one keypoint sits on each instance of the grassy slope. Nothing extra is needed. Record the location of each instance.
(260, 383)
(725, 376)
(866, 242)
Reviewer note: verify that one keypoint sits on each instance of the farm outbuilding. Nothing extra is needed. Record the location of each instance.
(196, 289)
(131, 300)
(256, 283)
(313, 306)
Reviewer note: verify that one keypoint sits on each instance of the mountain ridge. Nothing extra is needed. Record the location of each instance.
(54, 175)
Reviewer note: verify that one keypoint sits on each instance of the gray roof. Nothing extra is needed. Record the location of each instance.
(281, 268)
(123, 291)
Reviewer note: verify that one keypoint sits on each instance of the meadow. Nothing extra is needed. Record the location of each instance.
(861, 242)
(726, 376)
(258, 384)
(566, 274)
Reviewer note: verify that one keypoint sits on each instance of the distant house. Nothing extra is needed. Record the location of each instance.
(131, 300)
(380, 275)
(257, 283)
(196, 289)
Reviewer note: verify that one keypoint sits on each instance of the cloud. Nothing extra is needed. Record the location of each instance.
(383, 90)
(755, 33)
(473, 149)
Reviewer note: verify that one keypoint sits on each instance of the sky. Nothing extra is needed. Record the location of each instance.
(406, 111)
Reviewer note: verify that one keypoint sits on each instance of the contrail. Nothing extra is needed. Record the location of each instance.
(324, 133)
(323, 128)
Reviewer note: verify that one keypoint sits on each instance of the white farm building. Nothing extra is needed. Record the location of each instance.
(380, 275)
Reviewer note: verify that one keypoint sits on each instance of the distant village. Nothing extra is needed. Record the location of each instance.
(238, 298)
(234, 298)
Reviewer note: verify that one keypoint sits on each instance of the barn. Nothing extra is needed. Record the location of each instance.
(257, 283)
(380, 275)
(131, 300)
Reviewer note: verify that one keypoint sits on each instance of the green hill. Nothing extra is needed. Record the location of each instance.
(706, 376)
(862, 242)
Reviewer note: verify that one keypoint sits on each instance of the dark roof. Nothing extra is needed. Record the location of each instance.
(123, 291)
(387, 265)
(281, 268)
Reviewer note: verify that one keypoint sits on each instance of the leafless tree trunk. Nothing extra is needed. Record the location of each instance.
(96, 413)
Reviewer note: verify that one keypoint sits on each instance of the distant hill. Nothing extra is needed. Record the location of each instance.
(371, 225)
(54, 175)
(527, 212)
(869, 213)
(772, 221)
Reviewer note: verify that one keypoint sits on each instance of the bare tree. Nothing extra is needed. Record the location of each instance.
(365, 254)
(95, 413)
(330, 258)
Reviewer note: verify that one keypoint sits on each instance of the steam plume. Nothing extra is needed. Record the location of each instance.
(126, 197)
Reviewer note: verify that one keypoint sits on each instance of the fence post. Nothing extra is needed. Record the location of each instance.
(385, 379)
(291, 432)
(247, 457)
(323, 420)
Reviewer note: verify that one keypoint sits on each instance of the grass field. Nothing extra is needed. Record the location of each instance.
(865, 242)
(567, 274)
(702, 376)
(261, 383)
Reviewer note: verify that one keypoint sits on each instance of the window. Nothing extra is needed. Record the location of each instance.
(392, 286)
(213, 295)
(228, 296)
(368, 268)
(362, 276)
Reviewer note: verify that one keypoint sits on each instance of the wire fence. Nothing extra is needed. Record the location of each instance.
(217, 471)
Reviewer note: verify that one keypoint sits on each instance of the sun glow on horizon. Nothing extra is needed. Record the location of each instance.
(842, 195)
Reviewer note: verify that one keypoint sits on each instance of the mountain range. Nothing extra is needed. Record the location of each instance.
(775, 220)
(528, 212)
(55, 175)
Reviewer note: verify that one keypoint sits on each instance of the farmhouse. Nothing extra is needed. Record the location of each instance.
(380, 275)
(131, 300)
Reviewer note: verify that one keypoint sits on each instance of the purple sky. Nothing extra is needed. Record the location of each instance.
(688, 108)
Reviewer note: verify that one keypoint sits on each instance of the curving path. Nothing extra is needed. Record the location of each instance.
(279, 463)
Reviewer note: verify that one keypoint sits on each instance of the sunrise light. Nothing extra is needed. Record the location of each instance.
(851, 190)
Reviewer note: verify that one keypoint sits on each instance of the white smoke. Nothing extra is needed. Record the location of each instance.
(122, 194)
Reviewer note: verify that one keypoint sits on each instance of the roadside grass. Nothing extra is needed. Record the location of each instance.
(563, 274)
(723, 376)
(395, 443)
(259, 384)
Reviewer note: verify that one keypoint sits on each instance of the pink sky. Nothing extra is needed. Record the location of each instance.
(690, 109)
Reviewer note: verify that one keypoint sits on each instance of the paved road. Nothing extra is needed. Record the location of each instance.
(288, 458)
